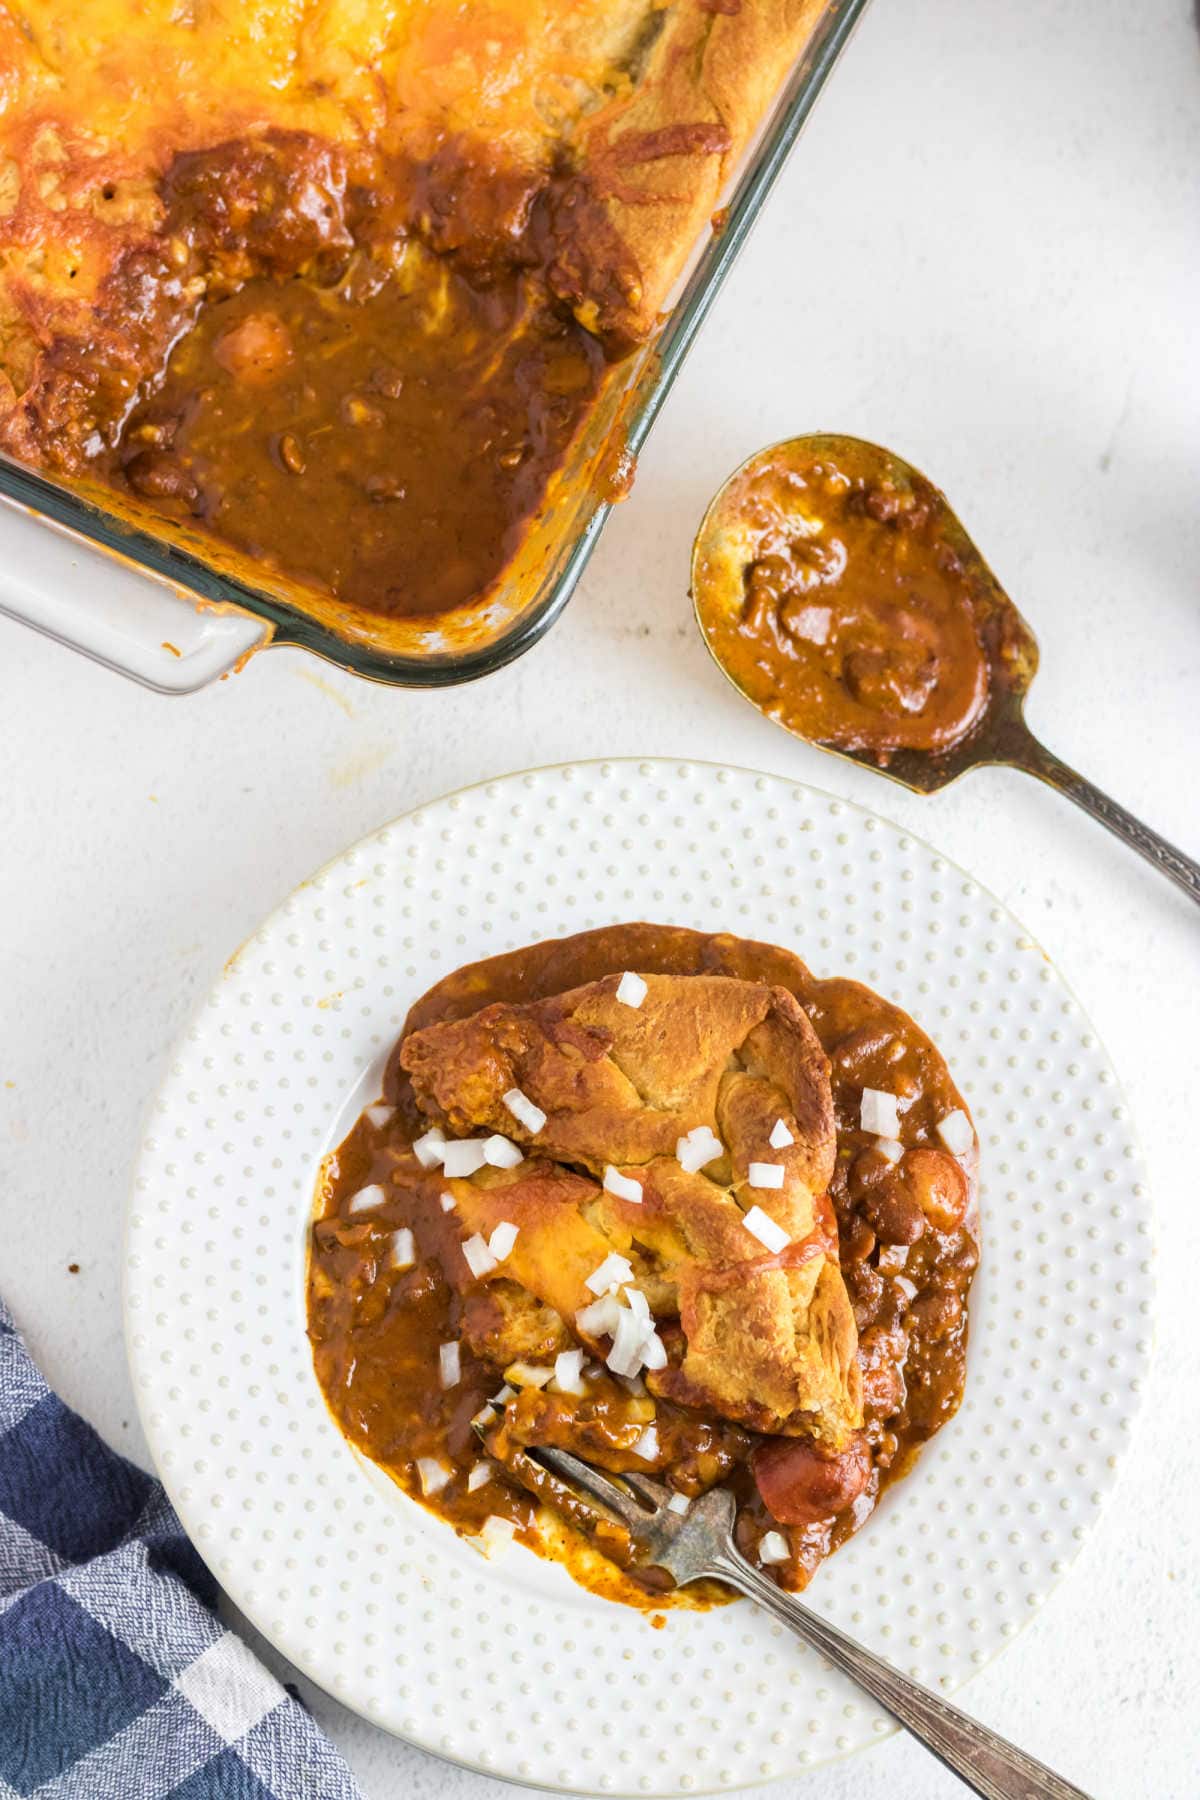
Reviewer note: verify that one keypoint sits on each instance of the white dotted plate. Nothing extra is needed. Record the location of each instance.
(507, 1666)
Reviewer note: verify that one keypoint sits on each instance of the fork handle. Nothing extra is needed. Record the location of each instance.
(987, 1763)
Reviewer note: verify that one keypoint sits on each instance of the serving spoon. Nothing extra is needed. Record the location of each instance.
(1000, 735)
(699, 1543)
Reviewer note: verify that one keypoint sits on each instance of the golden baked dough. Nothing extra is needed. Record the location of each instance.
(768, 1337)
(657, 157)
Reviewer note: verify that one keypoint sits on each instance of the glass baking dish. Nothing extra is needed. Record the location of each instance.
(175, 616)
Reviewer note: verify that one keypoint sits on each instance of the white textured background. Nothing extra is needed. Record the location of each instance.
(986, 253)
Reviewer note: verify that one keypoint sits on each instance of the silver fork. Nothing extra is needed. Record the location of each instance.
(700, 1542)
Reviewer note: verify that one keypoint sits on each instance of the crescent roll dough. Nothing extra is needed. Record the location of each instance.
(764, 1336)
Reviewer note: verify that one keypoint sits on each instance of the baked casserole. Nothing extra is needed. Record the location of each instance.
(664, 1200)
(332, 289)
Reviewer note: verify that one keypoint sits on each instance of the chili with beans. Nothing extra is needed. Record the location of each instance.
(836, 590)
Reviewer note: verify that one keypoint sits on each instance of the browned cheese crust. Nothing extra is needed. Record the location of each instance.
(153, 156)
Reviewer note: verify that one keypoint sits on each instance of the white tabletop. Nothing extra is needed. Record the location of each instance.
(984, 254)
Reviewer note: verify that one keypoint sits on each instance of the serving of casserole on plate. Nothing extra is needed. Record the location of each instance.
(701, 1217)
(801, 1321)
(336, 297)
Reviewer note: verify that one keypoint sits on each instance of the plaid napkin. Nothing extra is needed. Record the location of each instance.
(117, 1681)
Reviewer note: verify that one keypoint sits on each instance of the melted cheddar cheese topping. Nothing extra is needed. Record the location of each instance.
(99, 97)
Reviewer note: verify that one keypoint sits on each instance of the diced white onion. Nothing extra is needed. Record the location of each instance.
(481, 1474)
(501, 1152)
(631, 989)
(450, 1359)
(623, 1186)
(428, 1149)
(528, 1375)
(761, 1226)
(879, 1113)
(633, 1384)
(765, 1175)
(780, 1136)
(434, 1475)
(479, 1258)
(463, 1158)
(625, 1357)
(773, 1547)
(496, 1534)
(381, 1116)
(600, 1318)
(654, 1352)
(503, 1395)
(955, 1132)
(524, 1111)
(502, 1240)
(404, 1252)
(685, 1152)
(891, 1148)
(447, 1202)
(367, 1198)
(568, 1371)
(646, 1445)
(678, 1503)
(697, 1149)
(638, 1303)
(610, 1274)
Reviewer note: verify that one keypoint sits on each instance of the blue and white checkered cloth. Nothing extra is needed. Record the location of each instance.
(117, 1680)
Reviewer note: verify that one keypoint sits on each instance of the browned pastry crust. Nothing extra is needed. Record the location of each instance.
(555, 964)
(547, 968)
(655, 160)
(767, 1339)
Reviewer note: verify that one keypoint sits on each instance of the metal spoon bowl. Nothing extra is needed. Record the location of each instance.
(1000, 735)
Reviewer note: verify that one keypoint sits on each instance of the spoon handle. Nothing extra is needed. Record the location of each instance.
(988, 1764)
(1035, 759)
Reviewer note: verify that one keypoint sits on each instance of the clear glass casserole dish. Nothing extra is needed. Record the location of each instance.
(175, 614)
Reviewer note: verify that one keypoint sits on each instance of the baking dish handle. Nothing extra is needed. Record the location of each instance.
(125, 617)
